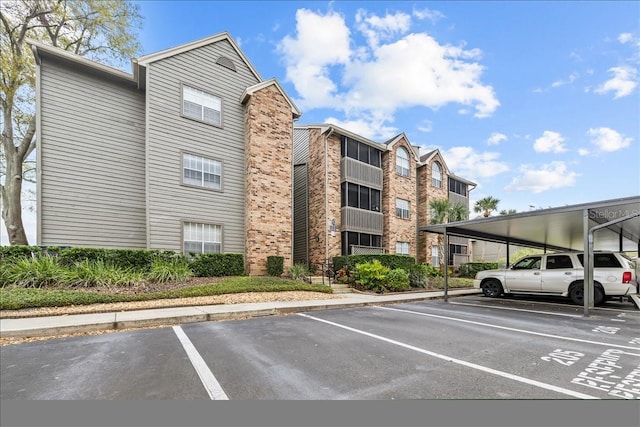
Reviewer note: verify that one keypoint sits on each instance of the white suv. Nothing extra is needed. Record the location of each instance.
(562, 274)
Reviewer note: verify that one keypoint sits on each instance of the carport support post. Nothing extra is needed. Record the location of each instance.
(446, 265)
(588, 262)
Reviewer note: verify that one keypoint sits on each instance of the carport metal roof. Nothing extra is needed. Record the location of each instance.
(606, 225)
(560, 228)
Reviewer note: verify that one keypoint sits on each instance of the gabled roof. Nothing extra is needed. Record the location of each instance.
(252, 89)
(391, 142)
(39, 50)
(426, 158)
(325, 127)
(167, 53)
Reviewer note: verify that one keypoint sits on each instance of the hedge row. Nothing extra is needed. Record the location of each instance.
(470, 269)
(140, 260)
(391, 261)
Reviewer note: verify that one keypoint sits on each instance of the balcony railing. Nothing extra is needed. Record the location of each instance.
(360, 173)
(363, 221)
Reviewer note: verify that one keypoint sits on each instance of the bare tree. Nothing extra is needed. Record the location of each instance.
(99, 29)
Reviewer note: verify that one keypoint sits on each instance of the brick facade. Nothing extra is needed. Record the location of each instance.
(395, 186)
(324, 196)
(426, 193)
(269, 199)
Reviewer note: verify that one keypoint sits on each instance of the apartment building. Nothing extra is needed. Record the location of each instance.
(353, 196)
(191, 151)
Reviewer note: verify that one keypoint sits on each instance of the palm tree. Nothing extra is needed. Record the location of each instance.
(442, 211)
(486, 205)
(507, 212)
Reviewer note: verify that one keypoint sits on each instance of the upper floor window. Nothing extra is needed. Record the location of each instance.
(402, 162)
(402, 208)
(201, 238)
(402, 248)
(361, 152)
(201, 105)
(201, 172)
(457, 187)
(436, 175)
(361, 197)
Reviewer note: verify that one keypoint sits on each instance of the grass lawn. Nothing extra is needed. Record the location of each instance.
(14, 298)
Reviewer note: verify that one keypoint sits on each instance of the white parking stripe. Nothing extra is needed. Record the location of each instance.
(516, 309)
(206, 376)
(458, 361)
(510, 329)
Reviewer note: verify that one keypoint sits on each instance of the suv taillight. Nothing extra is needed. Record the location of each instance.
(626, 277)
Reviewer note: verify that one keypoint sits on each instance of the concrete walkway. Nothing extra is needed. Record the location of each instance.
(76, 323)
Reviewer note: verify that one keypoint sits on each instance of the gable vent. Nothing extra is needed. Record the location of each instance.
(226, 62)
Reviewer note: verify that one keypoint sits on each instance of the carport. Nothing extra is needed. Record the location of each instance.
(609, 225)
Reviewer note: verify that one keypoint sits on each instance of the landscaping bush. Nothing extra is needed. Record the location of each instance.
(133, 259)
(371, 275)
(172, 270)
(16, 252)
(88, 274)
(299, 272)
(35, 273)
(420, 273)
(397, 280)
(392, 261)
(470, 269)
(275, 265)
(214, 265)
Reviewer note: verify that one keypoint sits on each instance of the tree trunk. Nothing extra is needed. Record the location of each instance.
(11, 200)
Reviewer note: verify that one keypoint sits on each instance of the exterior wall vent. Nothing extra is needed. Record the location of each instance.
(226, 62)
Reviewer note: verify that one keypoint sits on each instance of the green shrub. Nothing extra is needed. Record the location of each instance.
(392, 261)
(35, 273)
(419, 274)
(275, 265)
(126, 259)
(397, 280)
(173, 270)
(89, 274)
(298, 272)
(215, 265)
(16, 252)
(470, 269)
(371, 275)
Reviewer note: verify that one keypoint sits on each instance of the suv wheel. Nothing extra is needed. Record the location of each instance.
(577, 294)
(492, 289)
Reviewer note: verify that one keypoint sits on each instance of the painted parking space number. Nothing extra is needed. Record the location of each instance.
(563, 357)
(606, 330)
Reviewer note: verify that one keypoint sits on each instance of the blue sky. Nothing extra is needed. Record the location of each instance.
(538, 102)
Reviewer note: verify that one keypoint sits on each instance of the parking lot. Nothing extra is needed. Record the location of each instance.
(468, 348)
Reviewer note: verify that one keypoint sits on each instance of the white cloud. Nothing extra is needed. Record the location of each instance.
(625, 38)
(623, 82)
(369, 127)
(539, 179)
(496, 138)
(572, 78)
(376, 28)
(466, 162)
(432, 15)
(549, 142)
(608, 140)
(329, 69)
(321, 41)
(425, 126)
(583, 152)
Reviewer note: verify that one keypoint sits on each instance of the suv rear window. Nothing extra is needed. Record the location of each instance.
(602, 260)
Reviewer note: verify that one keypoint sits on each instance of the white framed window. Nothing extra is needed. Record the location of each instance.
(402, 162)
(201, 105)
(436, 175)
(201, 172)
(402, 248)
(402, 208)
(201, 238)
(435, 256)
